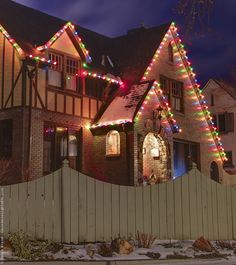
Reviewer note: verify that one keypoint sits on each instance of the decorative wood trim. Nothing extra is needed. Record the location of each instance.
(3, 69)
(13, 88)
(12, 76)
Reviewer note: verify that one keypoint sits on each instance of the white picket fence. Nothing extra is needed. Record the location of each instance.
(67, 206)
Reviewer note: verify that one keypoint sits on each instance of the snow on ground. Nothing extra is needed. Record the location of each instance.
(165, 248)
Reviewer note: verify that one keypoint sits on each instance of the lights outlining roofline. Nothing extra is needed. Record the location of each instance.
(70, 26)
(198, 91)
(11, 40)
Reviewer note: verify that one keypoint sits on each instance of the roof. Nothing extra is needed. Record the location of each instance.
(130, 54)
(228, 88)
(123, 108)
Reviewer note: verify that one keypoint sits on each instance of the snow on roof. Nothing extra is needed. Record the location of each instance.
(123, 108)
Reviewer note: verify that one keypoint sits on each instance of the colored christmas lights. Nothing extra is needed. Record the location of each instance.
(192, 77)
(11, 40)
(102, 76)
(70, 26)
(155, 89)
(172, 32)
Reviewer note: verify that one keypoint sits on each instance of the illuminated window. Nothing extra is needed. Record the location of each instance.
(113, 143)
(55, 71)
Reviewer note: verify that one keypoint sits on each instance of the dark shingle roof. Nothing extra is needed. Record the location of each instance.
(130, 53)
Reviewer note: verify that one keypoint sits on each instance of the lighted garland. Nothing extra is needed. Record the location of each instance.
(59, 33)
(198, 92)
(155, 89)
(101, 76)
(11, 40)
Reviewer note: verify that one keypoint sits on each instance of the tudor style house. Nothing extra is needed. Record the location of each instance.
(126, 110)
(221, 99)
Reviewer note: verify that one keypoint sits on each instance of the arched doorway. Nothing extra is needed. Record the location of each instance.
(154, 159)
(214, 171)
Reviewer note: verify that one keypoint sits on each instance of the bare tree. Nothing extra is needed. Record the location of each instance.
(196, 14)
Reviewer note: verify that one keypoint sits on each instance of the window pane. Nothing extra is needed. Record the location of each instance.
(54, 78)
(113, 143)
(71, 82)
(222, 127)
(6, 137)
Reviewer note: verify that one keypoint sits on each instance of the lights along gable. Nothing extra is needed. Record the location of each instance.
(193, 87)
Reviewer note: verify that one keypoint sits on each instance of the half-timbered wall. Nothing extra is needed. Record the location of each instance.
(10, 75)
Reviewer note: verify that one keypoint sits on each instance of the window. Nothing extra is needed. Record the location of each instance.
(59, 143)
(113, 143)
(229, 161)
(6, 136)
(173, 92)
(212, 100)
(55, 72)
(224, 122)
(65, 73)
(170, 53)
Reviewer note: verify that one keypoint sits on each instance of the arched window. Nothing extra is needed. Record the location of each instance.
(170, 53)
(113, 143)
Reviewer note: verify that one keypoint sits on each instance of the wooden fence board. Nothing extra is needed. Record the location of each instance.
(178, 208)
(131, 211)
(147, 214)
(204, 208)
(74, 202)
(215, 224)
(91, 214)
(209, 207)
(170, 210)
(56, 214)
(22, 206)
(233, 198)
(99, 211)
(82, 207)
(199, 204)
(48, 206)
(154, 208)
(107, 219)
(229, 213)
(6, 209)
(139, 209)
(163, 211)
(39, 216)
(222, 212)
(193, 204)
(185, 207)
(14, 208)
(123, 211)
(115, 209)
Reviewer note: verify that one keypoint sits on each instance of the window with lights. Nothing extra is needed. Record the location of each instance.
(113, 143)
(65, 73)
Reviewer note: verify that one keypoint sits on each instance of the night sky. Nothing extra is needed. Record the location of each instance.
(212, 54)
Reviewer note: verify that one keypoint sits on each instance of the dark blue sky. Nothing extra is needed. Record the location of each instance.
(212, 55)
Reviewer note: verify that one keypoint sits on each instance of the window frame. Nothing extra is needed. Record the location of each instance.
(229, 127)
(229, 163)
(118, 152)
(168, 93)
(64, 73)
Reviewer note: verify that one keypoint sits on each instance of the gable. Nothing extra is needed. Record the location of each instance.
(196, 120)
(65, 45)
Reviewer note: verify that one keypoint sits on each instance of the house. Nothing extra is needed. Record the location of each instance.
(127, 110)
(221, 99)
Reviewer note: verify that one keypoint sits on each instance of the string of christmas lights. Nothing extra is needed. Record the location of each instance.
(198, 92)
(11, 40)
(59, 33)
(155, 89)
(102, 76)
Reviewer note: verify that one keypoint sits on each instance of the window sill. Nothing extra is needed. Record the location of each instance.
(113, 156)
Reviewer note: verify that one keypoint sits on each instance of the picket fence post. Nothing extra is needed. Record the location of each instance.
(65, 202)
